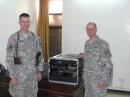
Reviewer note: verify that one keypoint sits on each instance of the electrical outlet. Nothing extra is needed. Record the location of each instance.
(121, 82)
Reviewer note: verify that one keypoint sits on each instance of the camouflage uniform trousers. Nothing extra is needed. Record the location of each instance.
(27, 87)
(91, 89)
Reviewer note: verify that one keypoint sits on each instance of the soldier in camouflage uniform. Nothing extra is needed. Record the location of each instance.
(97, 64)
(24, 76)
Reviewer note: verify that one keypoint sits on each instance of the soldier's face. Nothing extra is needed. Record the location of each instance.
(24, 23)
(91, 30)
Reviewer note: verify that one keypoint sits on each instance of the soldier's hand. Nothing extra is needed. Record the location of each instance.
(100, 84)
(39, 76)
(14, 81)
(80, 55)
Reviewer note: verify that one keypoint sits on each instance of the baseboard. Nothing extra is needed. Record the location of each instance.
(119, 90)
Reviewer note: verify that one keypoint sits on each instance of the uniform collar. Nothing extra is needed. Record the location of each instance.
(30, 36)
(96, 39)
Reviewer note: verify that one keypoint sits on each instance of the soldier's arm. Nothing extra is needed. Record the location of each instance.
(106, 60)
(106, 57)
(39, 49)
(10, 51)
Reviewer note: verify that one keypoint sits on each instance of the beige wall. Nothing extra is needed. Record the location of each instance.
(9, 12)
(113, 21)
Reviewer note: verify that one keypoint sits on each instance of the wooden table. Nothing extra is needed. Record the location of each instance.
(4, 83)
(46, 89)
